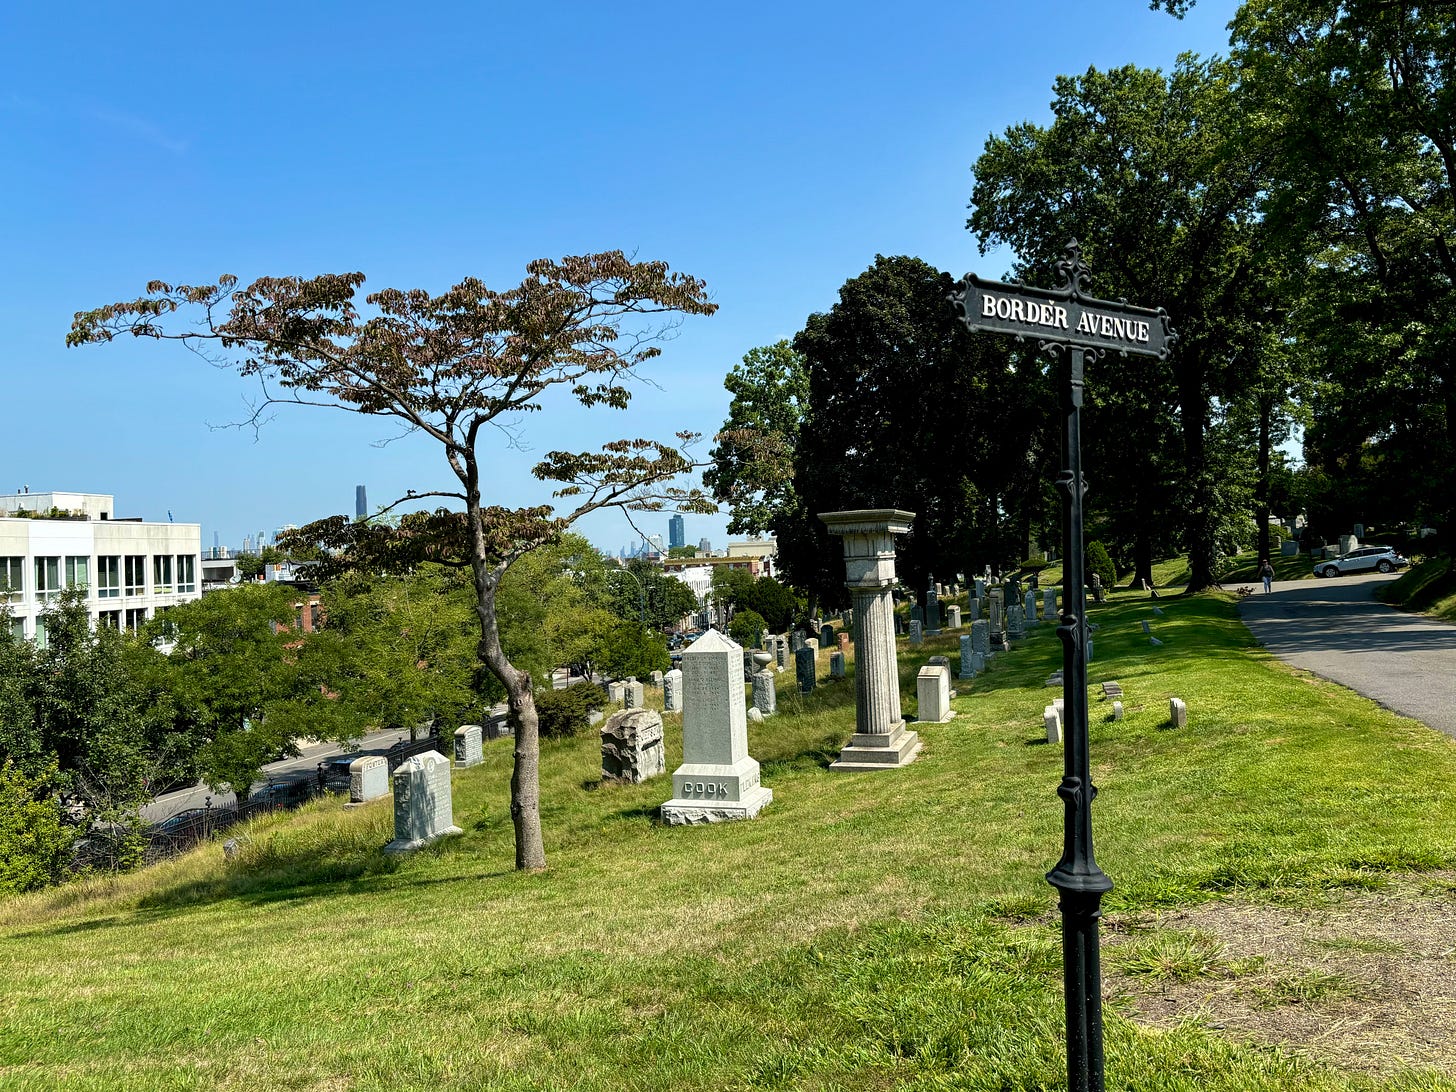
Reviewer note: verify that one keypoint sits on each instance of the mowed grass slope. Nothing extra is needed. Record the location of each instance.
(866, 932)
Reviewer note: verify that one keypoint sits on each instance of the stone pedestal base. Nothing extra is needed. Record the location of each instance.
(705, 792)
(677, 813)
(879, 751)
(413, 844)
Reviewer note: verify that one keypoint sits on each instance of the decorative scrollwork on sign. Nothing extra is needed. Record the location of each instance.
(1076, 274)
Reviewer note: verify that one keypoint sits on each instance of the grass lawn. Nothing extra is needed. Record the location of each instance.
(1428, 587)
(868, 931)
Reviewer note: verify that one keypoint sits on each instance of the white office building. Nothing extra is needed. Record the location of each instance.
(130, 569)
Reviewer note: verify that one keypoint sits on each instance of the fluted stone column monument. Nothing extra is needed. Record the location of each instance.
(880, 740)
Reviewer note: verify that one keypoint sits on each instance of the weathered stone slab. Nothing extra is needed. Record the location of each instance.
(469, 750)
(952, 617)
(915, 632)
(368, 778)
(634, 697)
(1049, 605)
(932, 691)
(1117, 710)
(1178, 712)
(826, 636)
(423, 810)
(804, 670)
(765, 694)
(836, 665)
(672, 691)
(616, 691)
(656, 678)
(632, 749)
(1052, 720)
(968, 670)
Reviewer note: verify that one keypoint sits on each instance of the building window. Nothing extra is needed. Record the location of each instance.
(17, 628)
(12, 578)
(108, 577)
(315, 616)
(162, 574)
(47, 580)
(109, 618)
(78, 572)
(168, 629)
(41, 638)
(136, 575)
(186, 573)
(136, 618)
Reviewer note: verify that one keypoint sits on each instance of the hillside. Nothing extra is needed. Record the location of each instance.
(866, 932)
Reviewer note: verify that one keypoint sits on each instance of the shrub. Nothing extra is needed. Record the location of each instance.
(35, 842)
(565, 713)
(1100, 563)
(746, 628)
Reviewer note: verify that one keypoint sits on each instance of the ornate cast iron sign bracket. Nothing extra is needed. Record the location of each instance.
(1074, 328)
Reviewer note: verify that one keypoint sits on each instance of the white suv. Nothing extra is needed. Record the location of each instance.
(1366, 559)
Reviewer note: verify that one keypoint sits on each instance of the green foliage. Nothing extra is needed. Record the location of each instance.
(753, 460)
(682, 551)
(1159, 176)
(863, 442)
(35, 839)
(230, 662)
(624, 650)
(746, 628)
(566, 712)
(1099, 562)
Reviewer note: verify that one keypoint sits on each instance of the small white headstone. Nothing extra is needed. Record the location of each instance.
(469, 750)
(1117, 710)
(765, 692)
(368, 778)
(1052, 720)
(953, 617)
(915, 631)
(932, 689)
(836, 665)
(656, 677)
(1178, 712)
(423, 810)
(672, 693)
(634, 698)
(616, 691)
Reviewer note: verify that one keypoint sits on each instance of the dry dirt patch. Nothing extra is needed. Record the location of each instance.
(1365, 980)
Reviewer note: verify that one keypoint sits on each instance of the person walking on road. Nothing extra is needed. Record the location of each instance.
(1266, 570)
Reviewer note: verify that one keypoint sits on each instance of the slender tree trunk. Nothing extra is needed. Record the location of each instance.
(1261, 490)
(1199, 527)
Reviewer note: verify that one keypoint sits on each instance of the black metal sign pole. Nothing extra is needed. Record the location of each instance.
(1076, 876)
(1073, 327)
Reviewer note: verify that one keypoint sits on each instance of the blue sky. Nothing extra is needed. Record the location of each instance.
(771, 150)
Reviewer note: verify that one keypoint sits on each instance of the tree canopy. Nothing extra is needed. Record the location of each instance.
(448, 367)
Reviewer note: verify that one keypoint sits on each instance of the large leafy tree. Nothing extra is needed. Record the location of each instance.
(909, 410)
(448, 367)
(753, 460)
(1362, 104)
(232, 657)
(1159, 176)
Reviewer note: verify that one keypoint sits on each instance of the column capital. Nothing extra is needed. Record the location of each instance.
(869, 543)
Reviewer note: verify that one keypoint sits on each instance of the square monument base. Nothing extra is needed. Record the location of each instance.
(677, 813)
(410, 846)
(877, 751)
(711, 793)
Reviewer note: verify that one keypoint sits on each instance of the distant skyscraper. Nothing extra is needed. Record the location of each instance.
(704, 547)
(675, 535)
(361, 505)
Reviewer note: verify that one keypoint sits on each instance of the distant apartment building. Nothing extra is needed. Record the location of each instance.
(130, 569)
(676, 535)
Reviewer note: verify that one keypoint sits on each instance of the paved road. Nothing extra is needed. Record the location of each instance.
(1336, 629)
(290, 769)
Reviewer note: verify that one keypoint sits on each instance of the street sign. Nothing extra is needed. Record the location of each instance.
(1066, 322)
(1062, 316)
